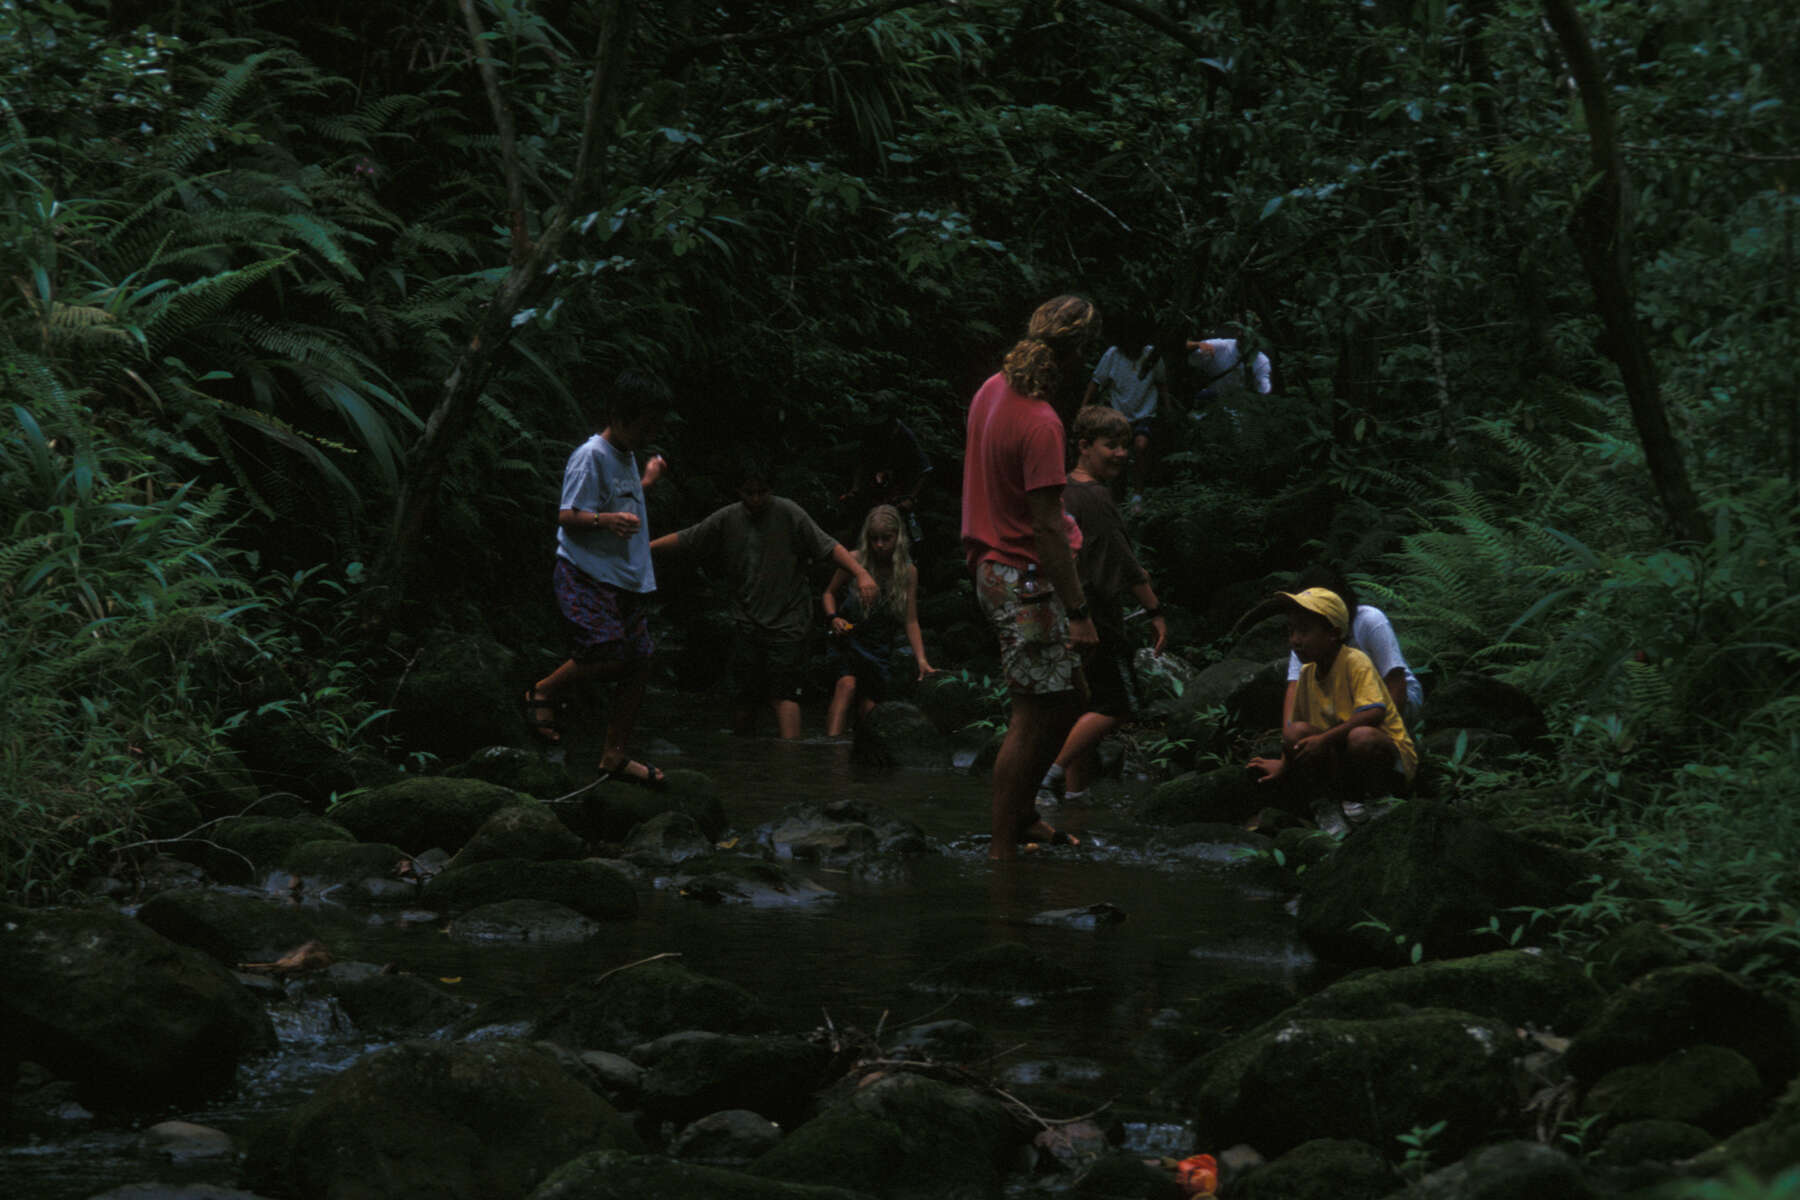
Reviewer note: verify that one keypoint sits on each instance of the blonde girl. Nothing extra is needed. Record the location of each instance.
(864, 637)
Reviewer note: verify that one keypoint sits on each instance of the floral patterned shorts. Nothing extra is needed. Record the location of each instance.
(605, 624)
(1034, 633)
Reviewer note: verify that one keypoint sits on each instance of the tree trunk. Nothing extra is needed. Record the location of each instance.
(1601, 228)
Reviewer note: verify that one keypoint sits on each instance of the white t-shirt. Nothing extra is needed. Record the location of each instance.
(1132, 394)
(1218, 372)
(600, 477)
(1373, 634)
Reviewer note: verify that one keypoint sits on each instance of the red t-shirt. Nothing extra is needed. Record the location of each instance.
(1015, 445)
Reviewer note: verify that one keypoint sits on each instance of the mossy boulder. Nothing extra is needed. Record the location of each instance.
(1537, 990)
(1652, 1141)
(245, 847)
(666, 839)
(748, 879)
(363, 872)
(610, 1175)
(624, 1008)
(1007, 969)
(231, 927)
(1512, 1170)
(135, 1020)
(537, 922)
(524, 771)
(1472, 701)
(692, 1073)
(1708, 1086)
(840, 832)
(460, 690)
(1223, 795)
(1367, 1080)
(464, 1121)
(1431, 875)
(902, 1137)
(1771, 1145)
(897, 734)
(1322, 1169)
(585, 885)
(1637, 949)
(528, 831)
(613, 809)
(1676, 1007)
(383, 1003)
(423, 814)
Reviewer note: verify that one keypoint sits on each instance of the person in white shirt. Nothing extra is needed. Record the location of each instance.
(1130, 378)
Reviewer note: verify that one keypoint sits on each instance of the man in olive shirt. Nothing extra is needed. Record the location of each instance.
(764, 545)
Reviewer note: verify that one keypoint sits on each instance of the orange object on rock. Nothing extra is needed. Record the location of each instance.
(1198, 1174)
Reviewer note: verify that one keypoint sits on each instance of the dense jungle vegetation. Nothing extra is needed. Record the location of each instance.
(305, 304)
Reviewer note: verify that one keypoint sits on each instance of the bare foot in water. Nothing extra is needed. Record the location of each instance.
(1040, 832)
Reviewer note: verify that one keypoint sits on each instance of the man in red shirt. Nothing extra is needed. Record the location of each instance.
(1018, 543)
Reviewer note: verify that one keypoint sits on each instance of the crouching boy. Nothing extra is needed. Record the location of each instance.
(1347, 737)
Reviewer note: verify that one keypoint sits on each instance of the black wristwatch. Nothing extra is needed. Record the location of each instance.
(1079, 613)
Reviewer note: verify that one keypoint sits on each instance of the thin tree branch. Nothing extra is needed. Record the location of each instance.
(681, 55)
(503, 125)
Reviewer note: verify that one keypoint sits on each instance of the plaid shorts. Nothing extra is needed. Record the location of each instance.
(606, 624)
(1034, 634)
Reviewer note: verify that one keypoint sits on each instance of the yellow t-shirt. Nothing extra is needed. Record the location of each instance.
(1350, 686)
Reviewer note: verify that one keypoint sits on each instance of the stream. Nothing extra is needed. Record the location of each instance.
(1192, 917)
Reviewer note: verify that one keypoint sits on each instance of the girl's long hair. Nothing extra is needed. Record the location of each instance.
(893, 592)
(1034, 366)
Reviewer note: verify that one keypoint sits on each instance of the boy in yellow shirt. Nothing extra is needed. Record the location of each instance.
(1347, 732)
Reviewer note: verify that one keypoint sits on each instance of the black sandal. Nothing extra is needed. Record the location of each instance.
(652, 778)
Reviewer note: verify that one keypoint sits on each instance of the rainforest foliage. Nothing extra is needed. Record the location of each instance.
(290, 289)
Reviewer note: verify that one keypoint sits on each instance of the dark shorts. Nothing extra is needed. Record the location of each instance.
(872, 671)
(1112, 680)
(766, 668)
(606, 624)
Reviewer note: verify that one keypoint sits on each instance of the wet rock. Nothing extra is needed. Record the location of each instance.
(735, 1137)
(950, 701)
(1304, 846)
(692, 1073)
(524, 771)
(525, 831)
(1094, 916)
(183, 1141)
(175, 1191)
(245, 847)
(419, 814)
(1201, 1023)
(841, 832)
(1008, 969)
(1652, 1141)
(1478, 702)
(902, 1137)
(1432, 875)
(346, 872)
(614, 1176)
(613, 809)
(1676, 1007)
(540, 922)
(621, 1080)
(1224, 795)
(1508, 1170)
(1322, 1169)
(1293, 1081)
(897, 734)
(459, 691)
(1537, 990)
(1635, 950)
(947, 1041)
(745, 879)
(666, 839)
(136, 1020)
(623, 1008)
(1124, 1176)
(384, 1003)
(1164, 680)
(228, 926)
(455, 1120)
(1771, 1145)
(588, 887)
(1709, 1086)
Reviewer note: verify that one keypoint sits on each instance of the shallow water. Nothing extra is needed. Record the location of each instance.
(1192, 917)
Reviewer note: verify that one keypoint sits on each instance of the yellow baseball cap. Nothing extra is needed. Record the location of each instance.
(1326, 603)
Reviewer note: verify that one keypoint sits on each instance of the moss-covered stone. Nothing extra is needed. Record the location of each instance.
(692, 1073)
(1006, 969)
(1224, 795)
(587, 886)
(1709, 1086)
(385, 1004)
(464, 1121)
(903, 1137)
(609, 1175)
(360, 871)
(527, 831)
(1652, 1141)
(1367, 1080)
(1675, 1007)
(620, 1010)
(263, 840)
(897, 734)
(231, 927)
(1322, 1169)
(1125, 1176)
(538, 922)
(1770, 1145)
(1428, 874)
(613, 809)
(458, 691)
(525, 771)
(748, 879)
(1537, 990)
(423, 814)
(1637, 949)
(950, 701)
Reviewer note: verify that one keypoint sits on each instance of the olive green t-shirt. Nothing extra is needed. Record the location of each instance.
(764, 560)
